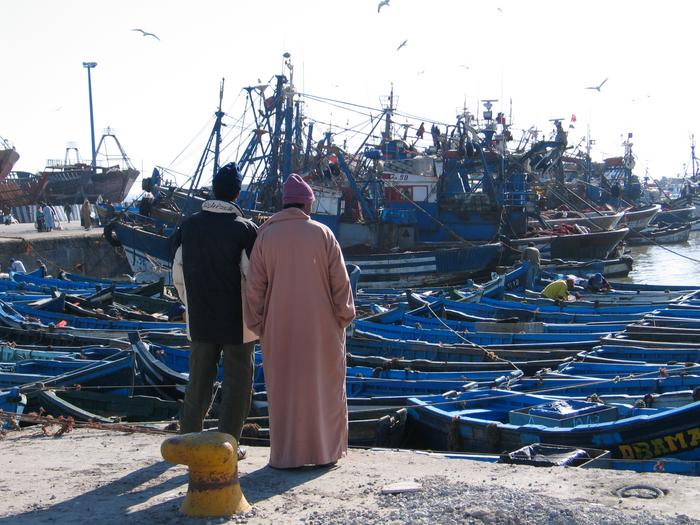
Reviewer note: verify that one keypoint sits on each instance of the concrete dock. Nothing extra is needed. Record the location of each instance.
(106, 477)
(72, 249)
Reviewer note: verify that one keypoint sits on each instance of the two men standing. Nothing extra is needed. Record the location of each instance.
(297, 299)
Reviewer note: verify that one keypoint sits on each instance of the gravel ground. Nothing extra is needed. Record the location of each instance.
(447, 503)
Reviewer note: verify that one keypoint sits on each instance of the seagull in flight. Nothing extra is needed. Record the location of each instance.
(146, 33)
(403, 44)
(465, 66)
(382, 4)
(597, 88)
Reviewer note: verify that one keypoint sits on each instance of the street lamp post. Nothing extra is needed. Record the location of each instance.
(89, 66)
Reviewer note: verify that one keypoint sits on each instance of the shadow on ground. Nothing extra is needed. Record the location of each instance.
(108, 503)
(111, 503)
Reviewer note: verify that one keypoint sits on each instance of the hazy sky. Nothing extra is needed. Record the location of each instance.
(159, 96)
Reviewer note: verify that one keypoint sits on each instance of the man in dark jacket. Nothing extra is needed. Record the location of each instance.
(209, 267)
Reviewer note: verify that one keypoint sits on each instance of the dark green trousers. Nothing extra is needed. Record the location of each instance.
(236, 387)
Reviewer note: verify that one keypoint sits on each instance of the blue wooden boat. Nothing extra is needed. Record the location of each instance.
(557, 384)
(105, 375)
(55, 353)
(13, 401)
(440, 264)
(38, 311)
(66, 372)
(596, 245)
(497, 420)
(663, 333)
(623, 339)
(22, 372)
(409, 333)
(102, 407)
(588, 299)
(571, 307)
(677, 322)
(47, 282)
(532, 313)
(426, 365)
(607, 353)
(165, 382)
(427, 318)
(622, 369)
(618, 267)
(362, 381)
(58, 337)
(367, 345)
(373, 382)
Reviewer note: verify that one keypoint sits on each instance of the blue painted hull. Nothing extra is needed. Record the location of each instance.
(439, 265)
(408, 333)
(89, 322)
(466, 423)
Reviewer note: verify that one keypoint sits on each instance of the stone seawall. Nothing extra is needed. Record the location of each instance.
(73, 250)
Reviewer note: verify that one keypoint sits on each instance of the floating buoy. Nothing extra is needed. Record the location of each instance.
(212, 459)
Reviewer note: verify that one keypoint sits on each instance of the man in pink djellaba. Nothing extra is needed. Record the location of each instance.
(299, 301)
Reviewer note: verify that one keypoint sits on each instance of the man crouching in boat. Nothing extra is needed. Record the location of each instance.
(561, 290)
(213, 247)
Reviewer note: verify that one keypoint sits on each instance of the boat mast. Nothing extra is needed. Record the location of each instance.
(89, 66)
(288, 122)
(389, 113)
(692, 156)
(217, 128)
(212, 146)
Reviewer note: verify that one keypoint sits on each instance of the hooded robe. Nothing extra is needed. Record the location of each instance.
(299, 300)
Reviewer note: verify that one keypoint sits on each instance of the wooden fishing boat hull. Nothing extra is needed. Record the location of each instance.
(409, 333)
(674, 215)
(645, 435)
(666, 235)
(165, 382)
(149, 254)
(641, 354)
(365, 429)
(602, 221)
(8, 158)
(521, 353)
(425, 267)
(14, 402)
(582, 246)
(20, 189)
(527, 367)
(639, 218)
(75, 321)
(619, 267)
(72, 184)
(84, 405)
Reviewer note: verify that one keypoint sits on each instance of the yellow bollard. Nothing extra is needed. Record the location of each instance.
(212, 458)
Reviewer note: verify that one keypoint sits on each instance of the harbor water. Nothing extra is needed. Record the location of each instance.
(675, 264)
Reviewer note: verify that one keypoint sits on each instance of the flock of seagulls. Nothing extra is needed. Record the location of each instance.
(401, 45)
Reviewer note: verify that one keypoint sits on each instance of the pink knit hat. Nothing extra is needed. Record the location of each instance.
(296, 191)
